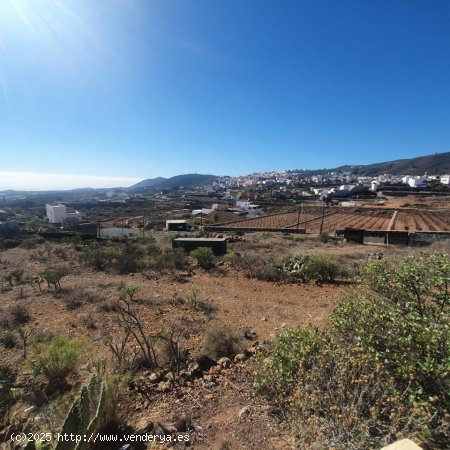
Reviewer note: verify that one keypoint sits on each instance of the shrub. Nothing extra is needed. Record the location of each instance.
(8, 340)
(57, 358)
(220, 341)
(19, 314)
(204, 257)
(128, 259)
(257, 268)
(381, 368)
(101, 256)
(171, 260)
(108, 306)
(305, 268)
(152, 250)
(230, 257)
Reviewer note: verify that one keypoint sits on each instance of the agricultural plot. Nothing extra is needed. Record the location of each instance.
(329, 219)
(422, 221)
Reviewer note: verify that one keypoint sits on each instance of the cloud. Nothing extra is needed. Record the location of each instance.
(49, 181)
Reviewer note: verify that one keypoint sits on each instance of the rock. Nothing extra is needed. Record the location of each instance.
(205, 363)
(263, 319)
(170, 376)
(240, 357)
(183, 424)
(250, 334)
(209, 384)
(250, 352)
(163, 386)
(215, 370)
(154, 377)
(283, 325)
(209, 378)
(185, 274)
(224, 362)
(244, 412)
(186, 375)
(404, 444)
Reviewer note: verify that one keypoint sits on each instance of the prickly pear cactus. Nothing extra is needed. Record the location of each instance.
(82, 419)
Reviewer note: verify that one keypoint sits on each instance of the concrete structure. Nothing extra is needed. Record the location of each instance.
(217, 245)
(176, 225)
(59, 213)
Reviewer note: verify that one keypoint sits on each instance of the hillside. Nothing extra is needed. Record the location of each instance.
(150, 182)
(436, 164)
(186, 180)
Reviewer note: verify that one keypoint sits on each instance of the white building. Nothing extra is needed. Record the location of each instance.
(417, 181)
(59, 213)
(445, 179)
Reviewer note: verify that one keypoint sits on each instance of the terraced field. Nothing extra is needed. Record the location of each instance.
(334, 218)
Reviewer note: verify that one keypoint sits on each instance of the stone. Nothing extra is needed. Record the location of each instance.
(154, 377)
(244, 412)
(205, 363)
(186, 375)
(240, 357)
(224, 362)
(249, 334)
(170, 376)
(404, 444)
(163, 386)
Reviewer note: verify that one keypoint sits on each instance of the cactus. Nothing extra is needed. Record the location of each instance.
(82, 418)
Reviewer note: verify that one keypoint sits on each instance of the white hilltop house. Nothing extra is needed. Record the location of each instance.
(59, 213)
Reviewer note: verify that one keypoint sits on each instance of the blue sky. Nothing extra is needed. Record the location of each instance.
(144, 88)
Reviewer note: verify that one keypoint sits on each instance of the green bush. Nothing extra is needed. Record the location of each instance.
(380, 370)
(230, 257)
(170, 260)
(57, 358)
(204, 257)
(304, 268)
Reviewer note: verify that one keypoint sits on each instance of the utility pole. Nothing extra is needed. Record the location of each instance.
(321, 222)
(298, 217)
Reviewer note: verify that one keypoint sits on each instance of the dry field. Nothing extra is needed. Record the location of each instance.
(239, 303)
(165, 300)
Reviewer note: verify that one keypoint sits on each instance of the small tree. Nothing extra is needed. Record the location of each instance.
(53, 277)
